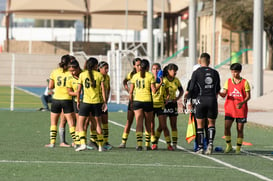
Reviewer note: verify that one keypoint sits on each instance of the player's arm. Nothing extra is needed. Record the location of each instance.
(248, 96)
(78, 93)
(125, 85)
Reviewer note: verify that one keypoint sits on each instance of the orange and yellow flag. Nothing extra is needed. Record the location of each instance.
(191, 132)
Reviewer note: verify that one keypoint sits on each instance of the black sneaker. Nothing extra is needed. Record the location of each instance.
(139, 148)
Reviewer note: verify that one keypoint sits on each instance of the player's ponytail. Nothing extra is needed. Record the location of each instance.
(90, 66)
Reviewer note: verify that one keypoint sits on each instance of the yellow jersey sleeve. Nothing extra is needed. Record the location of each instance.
(247, 86)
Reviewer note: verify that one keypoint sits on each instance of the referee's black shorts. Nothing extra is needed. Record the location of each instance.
(206, 107)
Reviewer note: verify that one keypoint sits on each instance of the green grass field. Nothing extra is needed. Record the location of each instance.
(22, 100)
(24, 157)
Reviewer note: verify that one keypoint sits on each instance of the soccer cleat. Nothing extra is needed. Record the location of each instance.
(122, 145)
(94, 145)
(228, 149)
(139, 148)
(108, 146)
(147, 148)
(170, 148)
(89, 147)
(81, 148)
(50, 145)
(174, 146)
(200, 151)
(209, 149)
(65, 145)
(238, 152)
(154, 147)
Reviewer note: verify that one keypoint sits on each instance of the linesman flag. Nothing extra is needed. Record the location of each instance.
(191, 132)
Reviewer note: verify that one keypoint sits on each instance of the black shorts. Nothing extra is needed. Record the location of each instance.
(159, 111)
(76, 110)
(94, 109)
(206, 107)
(130, 106)
(58, 105)
(238, 120)
(171, 109)
(146, 106)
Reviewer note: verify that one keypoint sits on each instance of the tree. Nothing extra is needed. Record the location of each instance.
(239, 15)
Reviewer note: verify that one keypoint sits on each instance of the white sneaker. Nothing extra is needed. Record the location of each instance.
(81, 148)
(209, 149)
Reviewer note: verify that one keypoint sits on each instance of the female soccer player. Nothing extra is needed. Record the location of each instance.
(171, 107)
(130, 112)
(92, 83)
(143, 83)
(158, 107)
(61, 100)
(103, 69)
(72, 86)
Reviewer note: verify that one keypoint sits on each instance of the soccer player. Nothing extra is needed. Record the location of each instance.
(103, 69)
(143, 83)
(158, 108)
(171, 107)
(72, 86)
(61, 100)
(130, 111)
(237, 93)
(92, 83)
(208, 82)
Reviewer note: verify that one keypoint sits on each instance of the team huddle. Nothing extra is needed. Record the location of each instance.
(82, 95)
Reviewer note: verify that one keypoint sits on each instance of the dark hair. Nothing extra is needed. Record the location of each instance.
(144, 67)
(206, 56)
(64, 62)
(236, 66)
(90, 65)
(172, 66)
(134, 69)
(157, 64)
(74, 63)
(102, 64)
(165, 71)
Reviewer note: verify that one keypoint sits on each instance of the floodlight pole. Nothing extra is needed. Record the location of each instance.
(192, 33)
(258, 48)
(213, 37)
(150, 30)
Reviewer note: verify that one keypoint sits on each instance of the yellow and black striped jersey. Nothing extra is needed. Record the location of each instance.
(91, 94)
(60, 79)
(173, 86)
(158, 97)
(142, 89)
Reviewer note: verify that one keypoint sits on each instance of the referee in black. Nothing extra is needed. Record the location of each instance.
(208, 81)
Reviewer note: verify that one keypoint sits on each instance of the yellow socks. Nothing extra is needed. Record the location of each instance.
(139, 138)
(239, 145)
(228, 144)
(105, 132)
(53, 134)
(82, 135)
(124, 138)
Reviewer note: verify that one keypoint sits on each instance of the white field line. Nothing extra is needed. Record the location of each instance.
(111, 164)
(211, 158)
(26, 91)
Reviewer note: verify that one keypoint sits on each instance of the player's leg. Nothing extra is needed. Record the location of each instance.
(130, 119)
(240, 135)
(228, 124)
